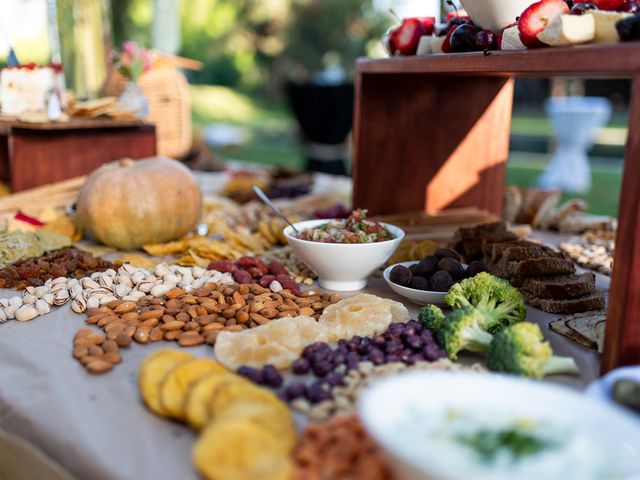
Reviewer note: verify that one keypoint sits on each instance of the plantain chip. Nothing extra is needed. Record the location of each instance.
(176, 384)
(240, 450)
(197, 412)
(270, 413)
(152, 372)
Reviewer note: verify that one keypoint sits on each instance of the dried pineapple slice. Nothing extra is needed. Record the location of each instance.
(152, 372)
(241, 450)
(364, 314)
(279, 342)
(197, 411)
(174, 388)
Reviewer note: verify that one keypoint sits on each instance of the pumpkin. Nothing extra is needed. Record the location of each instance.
(127, 204)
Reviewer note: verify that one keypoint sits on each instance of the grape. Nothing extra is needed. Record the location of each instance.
(295, 390)
(352, 361)
(301, 366)
(266, 280)
(335, 379)
(321, 369)
(252, 374)
(271, 376)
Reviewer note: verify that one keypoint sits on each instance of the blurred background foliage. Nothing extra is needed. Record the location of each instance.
(255, 45)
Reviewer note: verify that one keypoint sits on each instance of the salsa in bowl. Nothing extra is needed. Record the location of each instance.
(352, 230)
(342, 266)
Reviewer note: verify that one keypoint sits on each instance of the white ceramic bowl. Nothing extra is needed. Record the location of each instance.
(384, 406)
(495, 14)
(419, 297)
(339, 266)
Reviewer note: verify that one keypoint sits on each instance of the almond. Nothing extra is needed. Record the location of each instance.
(190, 339)
(99, 366)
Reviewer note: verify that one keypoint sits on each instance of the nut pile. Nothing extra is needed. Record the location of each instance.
(296, 267)
(68, 262)
(339, 449)
(591, 251)
(343, 396)
(197, 317)
(128, 283)
(96, 353)
(251, 269)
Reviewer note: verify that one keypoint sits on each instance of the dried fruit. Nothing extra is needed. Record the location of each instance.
(152, 372)
(363, 314)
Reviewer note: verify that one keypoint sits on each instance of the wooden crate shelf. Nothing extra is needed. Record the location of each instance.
(432, 132)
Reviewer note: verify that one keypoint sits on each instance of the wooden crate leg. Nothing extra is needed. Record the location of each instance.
(430, 142)
(622, 337)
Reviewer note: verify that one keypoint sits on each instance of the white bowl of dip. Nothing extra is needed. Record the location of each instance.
(432, 425)
(342, 267)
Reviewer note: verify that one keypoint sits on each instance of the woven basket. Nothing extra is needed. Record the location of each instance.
(167, 90)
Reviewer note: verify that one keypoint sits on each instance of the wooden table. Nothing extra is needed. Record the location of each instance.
(432, 132)
(33, 154)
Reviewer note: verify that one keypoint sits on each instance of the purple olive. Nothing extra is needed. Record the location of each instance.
(393, 358)
(365, 348)
(301, 366)
(271, 376)
(379, 340)
(414, 324)
(393, 346)
(251, 373)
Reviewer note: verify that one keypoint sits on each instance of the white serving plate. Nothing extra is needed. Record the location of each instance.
(340, 266)
(615, 431)
(420, 297)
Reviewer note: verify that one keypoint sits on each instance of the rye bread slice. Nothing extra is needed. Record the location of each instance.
(561, 286)
(536, 267)
(595, 301)
(560, 326)
(482, 230)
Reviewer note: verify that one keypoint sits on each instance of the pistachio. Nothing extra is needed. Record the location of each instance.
(106, 299)
(26, 313)
(4, 302)
(3, 316)
(61, 297)
(10, 312)
(79, 305)
(171, 279)
(75, 291)
(29, 299)
(30, 290)
(87, 282)
(72, 283)
(121, 290)
(48, 298)
(42, 307)
(161, 270)
(137, 277)
(159, 290)
(59, 281)
(93, 302)
(16, 302)
(105, 281)
(145, 286)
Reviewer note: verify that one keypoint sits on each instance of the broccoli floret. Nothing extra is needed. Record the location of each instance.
(431, 317)
(500, 303)
(521, 349)
(463, 329)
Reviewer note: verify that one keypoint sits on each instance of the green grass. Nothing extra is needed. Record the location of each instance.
(523, 169)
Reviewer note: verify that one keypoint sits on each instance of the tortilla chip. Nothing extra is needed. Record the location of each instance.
(600, 331)
(138, 260)
(559, 326)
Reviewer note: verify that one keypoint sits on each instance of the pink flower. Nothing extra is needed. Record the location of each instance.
(130, 47)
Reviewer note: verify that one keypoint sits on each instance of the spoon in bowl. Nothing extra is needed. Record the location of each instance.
(262, 196)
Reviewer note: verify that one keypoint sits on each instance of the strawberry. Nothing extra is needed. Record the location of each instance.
(429, 24)
(605, 4)
(536, 17)
(446, 45)
(405, 38)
